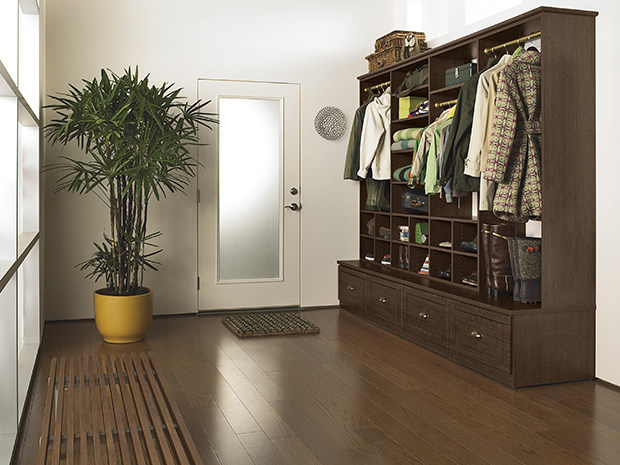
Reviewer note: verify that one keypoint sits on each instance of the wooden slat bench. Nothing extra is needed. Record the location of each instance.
(112, 410)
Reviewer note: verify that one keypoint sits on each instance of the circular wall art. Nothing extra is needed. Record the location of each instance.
(330, 123)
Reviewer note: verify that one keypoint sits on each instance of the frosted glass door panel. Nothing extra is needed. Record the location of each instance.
(250, 189)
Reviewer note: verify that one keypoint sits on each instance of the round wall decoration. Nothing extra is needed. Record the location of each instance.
(330, 123)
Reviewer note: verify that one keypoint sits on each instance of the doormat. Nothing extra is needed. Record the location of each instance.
(269, 324)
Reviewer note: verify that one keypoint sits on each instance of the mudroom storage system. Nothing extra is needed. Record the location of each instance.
(514, 343)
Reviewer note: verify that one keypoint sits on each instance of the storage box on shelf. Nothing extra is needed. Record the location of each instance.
(515, 343)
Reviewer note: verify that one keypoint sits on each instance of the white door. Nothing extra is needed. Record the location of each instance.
(249, 212)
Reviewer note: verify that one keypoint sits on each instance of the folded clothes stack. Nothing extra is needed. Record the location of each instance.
(407, 139)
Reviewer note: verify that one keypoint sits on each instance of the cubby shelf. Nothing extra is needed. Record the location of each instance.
(520, 344)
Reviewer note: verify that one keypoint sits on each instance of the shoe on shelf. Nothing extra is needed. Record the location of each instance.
(446, 244)
(370, 257)
(470, 246)
(446, 273)
(387, 260)
(472, 279)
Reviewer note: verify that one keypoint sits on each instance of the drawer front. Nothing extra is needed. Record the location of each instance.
(480, 338)
(351, 292)
(384, 303)
(426, 316)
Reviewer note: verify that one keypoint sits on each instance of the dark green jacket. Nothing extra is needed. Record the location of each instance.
(352, 162)
(457, 143)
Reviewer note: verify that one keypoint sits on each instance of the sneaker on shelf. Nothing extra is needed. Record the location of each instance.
(446, 273)
(370, 257)
(446, 244)
(472, 279)
(470, 246)
(387, 260)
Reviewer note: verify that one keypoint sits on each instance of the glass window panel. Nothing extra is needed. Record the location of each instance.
(250, 187)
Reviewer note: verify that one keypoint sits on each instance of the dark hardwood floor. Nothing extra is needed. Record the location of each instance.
(354, 394)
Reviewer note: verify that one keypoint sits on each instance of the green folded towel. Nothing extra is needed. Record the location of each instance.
(404, 134)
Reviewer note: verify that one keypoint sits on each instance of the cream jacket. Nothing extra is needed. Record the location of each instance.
(375, 140)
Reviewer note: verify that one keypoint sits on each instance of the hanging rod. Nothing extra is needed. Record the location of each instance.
(448, 103)
(533, 35)
(387, 83)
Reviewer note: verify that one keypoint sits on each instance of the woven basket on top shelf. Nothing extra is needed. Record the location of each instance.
(390, 48)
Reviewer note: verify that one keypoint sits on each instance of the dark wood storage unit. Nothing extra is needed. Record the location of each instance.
(516, 344)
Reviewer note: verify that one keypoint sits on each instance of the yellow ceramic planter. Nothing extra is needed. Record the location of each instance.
(123, 319)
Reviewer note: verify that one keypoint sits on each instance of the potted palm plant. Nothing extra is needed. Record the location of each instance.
(136, 138)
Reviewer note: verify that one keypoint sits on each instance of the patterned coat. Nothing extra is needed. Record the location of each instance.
(515, 145)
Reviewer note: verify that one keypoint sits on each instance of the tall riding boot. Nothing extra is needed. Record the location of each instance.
(484, 248)
(514, 264)
(499, 274)
(529, 264)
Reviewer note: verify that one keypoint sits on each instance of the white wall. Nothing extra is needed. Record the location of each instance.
(447, 20)
(319, 44)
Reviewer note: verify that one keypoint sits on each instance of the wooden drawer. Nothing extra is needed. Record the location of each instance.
(425, 316)
(351, 292)
(481, 335)
(384, 302)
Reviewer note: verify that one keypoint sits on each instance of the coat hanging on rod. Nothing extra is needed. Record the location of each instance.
(378, 86)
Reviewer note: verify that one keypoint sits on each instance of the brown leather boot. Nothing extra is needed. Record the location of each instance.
(499, 280)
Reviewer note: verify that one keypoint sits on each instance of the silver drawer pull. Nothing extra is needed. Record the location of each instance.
(476, 334)
(423, 315)
(382, 300)
(350, 287)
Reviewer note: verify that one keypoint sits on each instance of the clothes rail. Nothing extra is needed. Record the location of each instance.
(447, 103)
(383, 84)
(518, 41)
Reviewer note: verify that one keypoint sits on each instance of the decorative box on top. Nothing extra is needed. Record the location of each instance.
(396, 46)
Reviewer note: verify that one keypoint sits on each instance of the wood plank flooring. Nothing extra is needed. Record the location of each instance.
(352, 395)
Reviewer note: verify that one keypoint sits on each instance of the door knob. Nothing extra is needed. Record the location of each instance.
(293, 207)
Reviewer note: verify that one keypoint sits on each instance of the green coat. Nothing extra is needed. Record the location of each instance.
(457, 144)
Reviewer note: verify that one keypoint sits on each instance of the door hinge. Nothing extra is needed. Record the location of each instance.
(198, 196)
(198, 282)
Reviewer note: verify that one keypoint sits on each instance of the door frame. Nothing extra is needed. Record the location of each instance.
(212, 294)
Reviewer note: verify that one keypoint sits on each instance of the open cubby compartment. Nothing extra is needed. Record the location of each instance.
(444, 95)
(417, 255)
(381, 191)
(400, 255)
(460, 207)
(463, 232)
(367, 249)
(401, 159)
(462, 266)
(440, 231)
(382, 226)
(439, 261)
(371, 81)
(412, 230)
(397, 205)
(367, 224)
(398, 222)
(522, 29)
(382, 249)
(458, 55)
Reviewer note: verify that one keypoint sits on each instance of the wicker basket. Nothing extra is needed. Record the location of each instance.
(397, 39)
(388, 49)
(383, 58)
